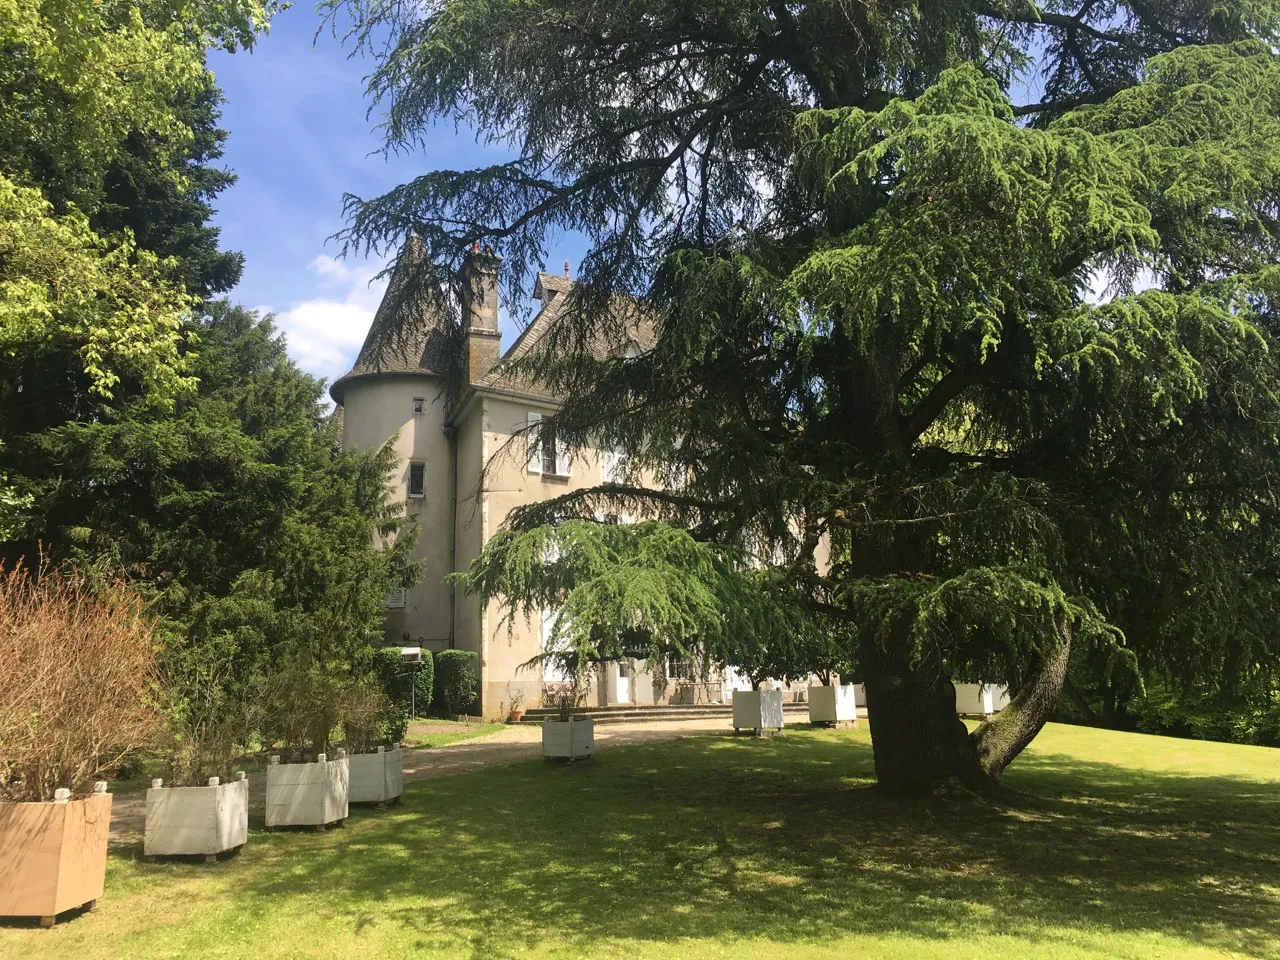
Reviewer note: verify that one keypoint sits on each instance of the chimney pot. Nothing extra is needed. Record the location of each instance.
(566, 269)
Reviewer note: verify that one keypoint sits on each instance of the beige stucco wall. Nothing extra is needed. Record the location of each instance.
(492, 480)
(508, 484)
(376, 409)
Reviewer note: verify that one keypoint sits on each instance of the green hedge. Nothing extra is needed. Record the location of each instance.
(456, 681)
(400, 679)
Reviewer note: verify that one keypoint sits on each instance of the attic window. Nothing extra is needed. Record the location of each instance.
(417, 479)
(417, 406)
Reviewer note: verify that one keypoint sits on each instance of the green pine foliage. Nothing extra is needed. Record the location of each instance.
(986, 389)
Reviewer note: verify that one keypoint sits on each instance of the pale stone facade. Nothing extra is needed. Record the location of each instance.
(465, 465)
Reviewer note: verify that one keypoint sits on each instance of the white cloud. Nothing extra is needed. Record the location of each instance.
(325, 332)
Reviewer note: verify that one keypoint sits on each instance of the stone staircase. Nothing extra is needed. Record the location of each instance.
(631, 713)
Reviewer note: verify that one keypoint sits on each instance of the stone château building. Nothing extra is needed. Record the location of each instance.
(464, 466)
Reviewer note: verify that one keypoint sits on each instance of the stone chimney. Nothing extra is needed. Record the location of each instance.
(480, 310)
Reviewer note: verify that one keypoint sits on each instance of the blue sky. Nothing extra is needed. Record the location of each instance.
(299, 139)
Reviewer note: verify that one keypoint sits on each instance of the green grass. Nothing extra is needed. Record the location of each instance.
(456, 732)
(1118, 845)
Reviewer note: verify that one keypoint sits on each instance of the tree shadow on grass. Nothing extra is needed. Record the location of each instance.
(714, 838)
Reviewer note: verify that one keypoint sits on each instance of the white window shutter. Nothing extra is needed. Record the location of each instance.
(563, 461)
(395, 599)
(533, 448)
(611, 466)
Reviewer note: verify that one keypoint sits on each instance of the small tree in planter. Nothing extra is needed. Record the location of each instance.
(373, 726)
(203, 808)
(567, 736)
(77, 668)
(832, 703)
(311, 787)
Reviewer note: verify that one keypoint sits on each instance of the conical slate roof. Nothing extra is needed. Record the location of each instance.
(410, 334)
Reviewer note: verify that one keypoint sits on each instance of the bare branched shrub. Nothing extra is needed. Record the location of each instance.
(77, 669)
(364, 710)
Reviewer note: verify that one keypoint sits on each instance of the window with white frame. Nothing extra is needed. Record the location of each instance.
(613, 466)
(418, 405)
(417, 479)
(545, 454)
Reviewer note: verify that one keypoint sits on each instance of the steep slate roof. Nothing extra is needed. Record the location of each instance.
(426, 346)
(398, 349)
(639, 331)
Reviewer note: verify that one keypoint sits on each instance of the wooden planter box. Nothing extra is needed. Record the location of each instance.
(196, 821)
(757, 710)
(572, 740)
(53, 856)
(376, 777)
(981, 699)
(833, 705)
(307, 794)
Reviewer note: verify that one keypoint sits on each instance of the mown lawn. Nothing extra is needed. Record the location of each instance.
(1118, 846)
(437, 733)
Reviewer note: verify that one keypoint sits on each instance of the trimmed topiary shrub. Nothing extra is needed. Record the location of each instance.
(399, 680)
(456, 680)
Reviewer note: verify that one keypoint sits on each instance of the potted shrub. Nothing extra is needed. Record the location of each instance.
(833, 705)
(375, 770)
(76, 671)
(310, 787)
(515, 712)
(307, 793)
(758, 710)
(197, 821)
(203, 808)
(567, 736)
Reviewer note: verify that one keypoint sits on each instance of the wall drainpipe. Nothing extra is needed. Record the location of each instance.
(451, 433)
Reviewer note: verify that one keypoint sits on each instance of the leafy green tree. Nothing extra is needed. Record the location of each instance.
(107, 130)
(879, 352)
(256, 535)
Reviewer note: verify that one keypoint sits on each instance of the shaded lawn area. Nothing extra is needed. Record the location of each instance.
(1120, 845)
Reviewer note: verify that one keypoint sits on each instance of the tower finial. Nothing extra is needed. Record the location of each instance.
(566, 269)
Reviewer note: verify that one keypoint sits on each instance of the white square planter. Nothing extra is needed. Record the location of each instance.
(574, 739)
(196, 821)
(833, 704)
(757, 710)
(307, 794)
(376, 777)
(981, 699)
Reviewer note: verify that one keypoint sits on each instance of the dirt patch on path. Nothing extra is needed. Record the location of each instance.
(509, 745)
